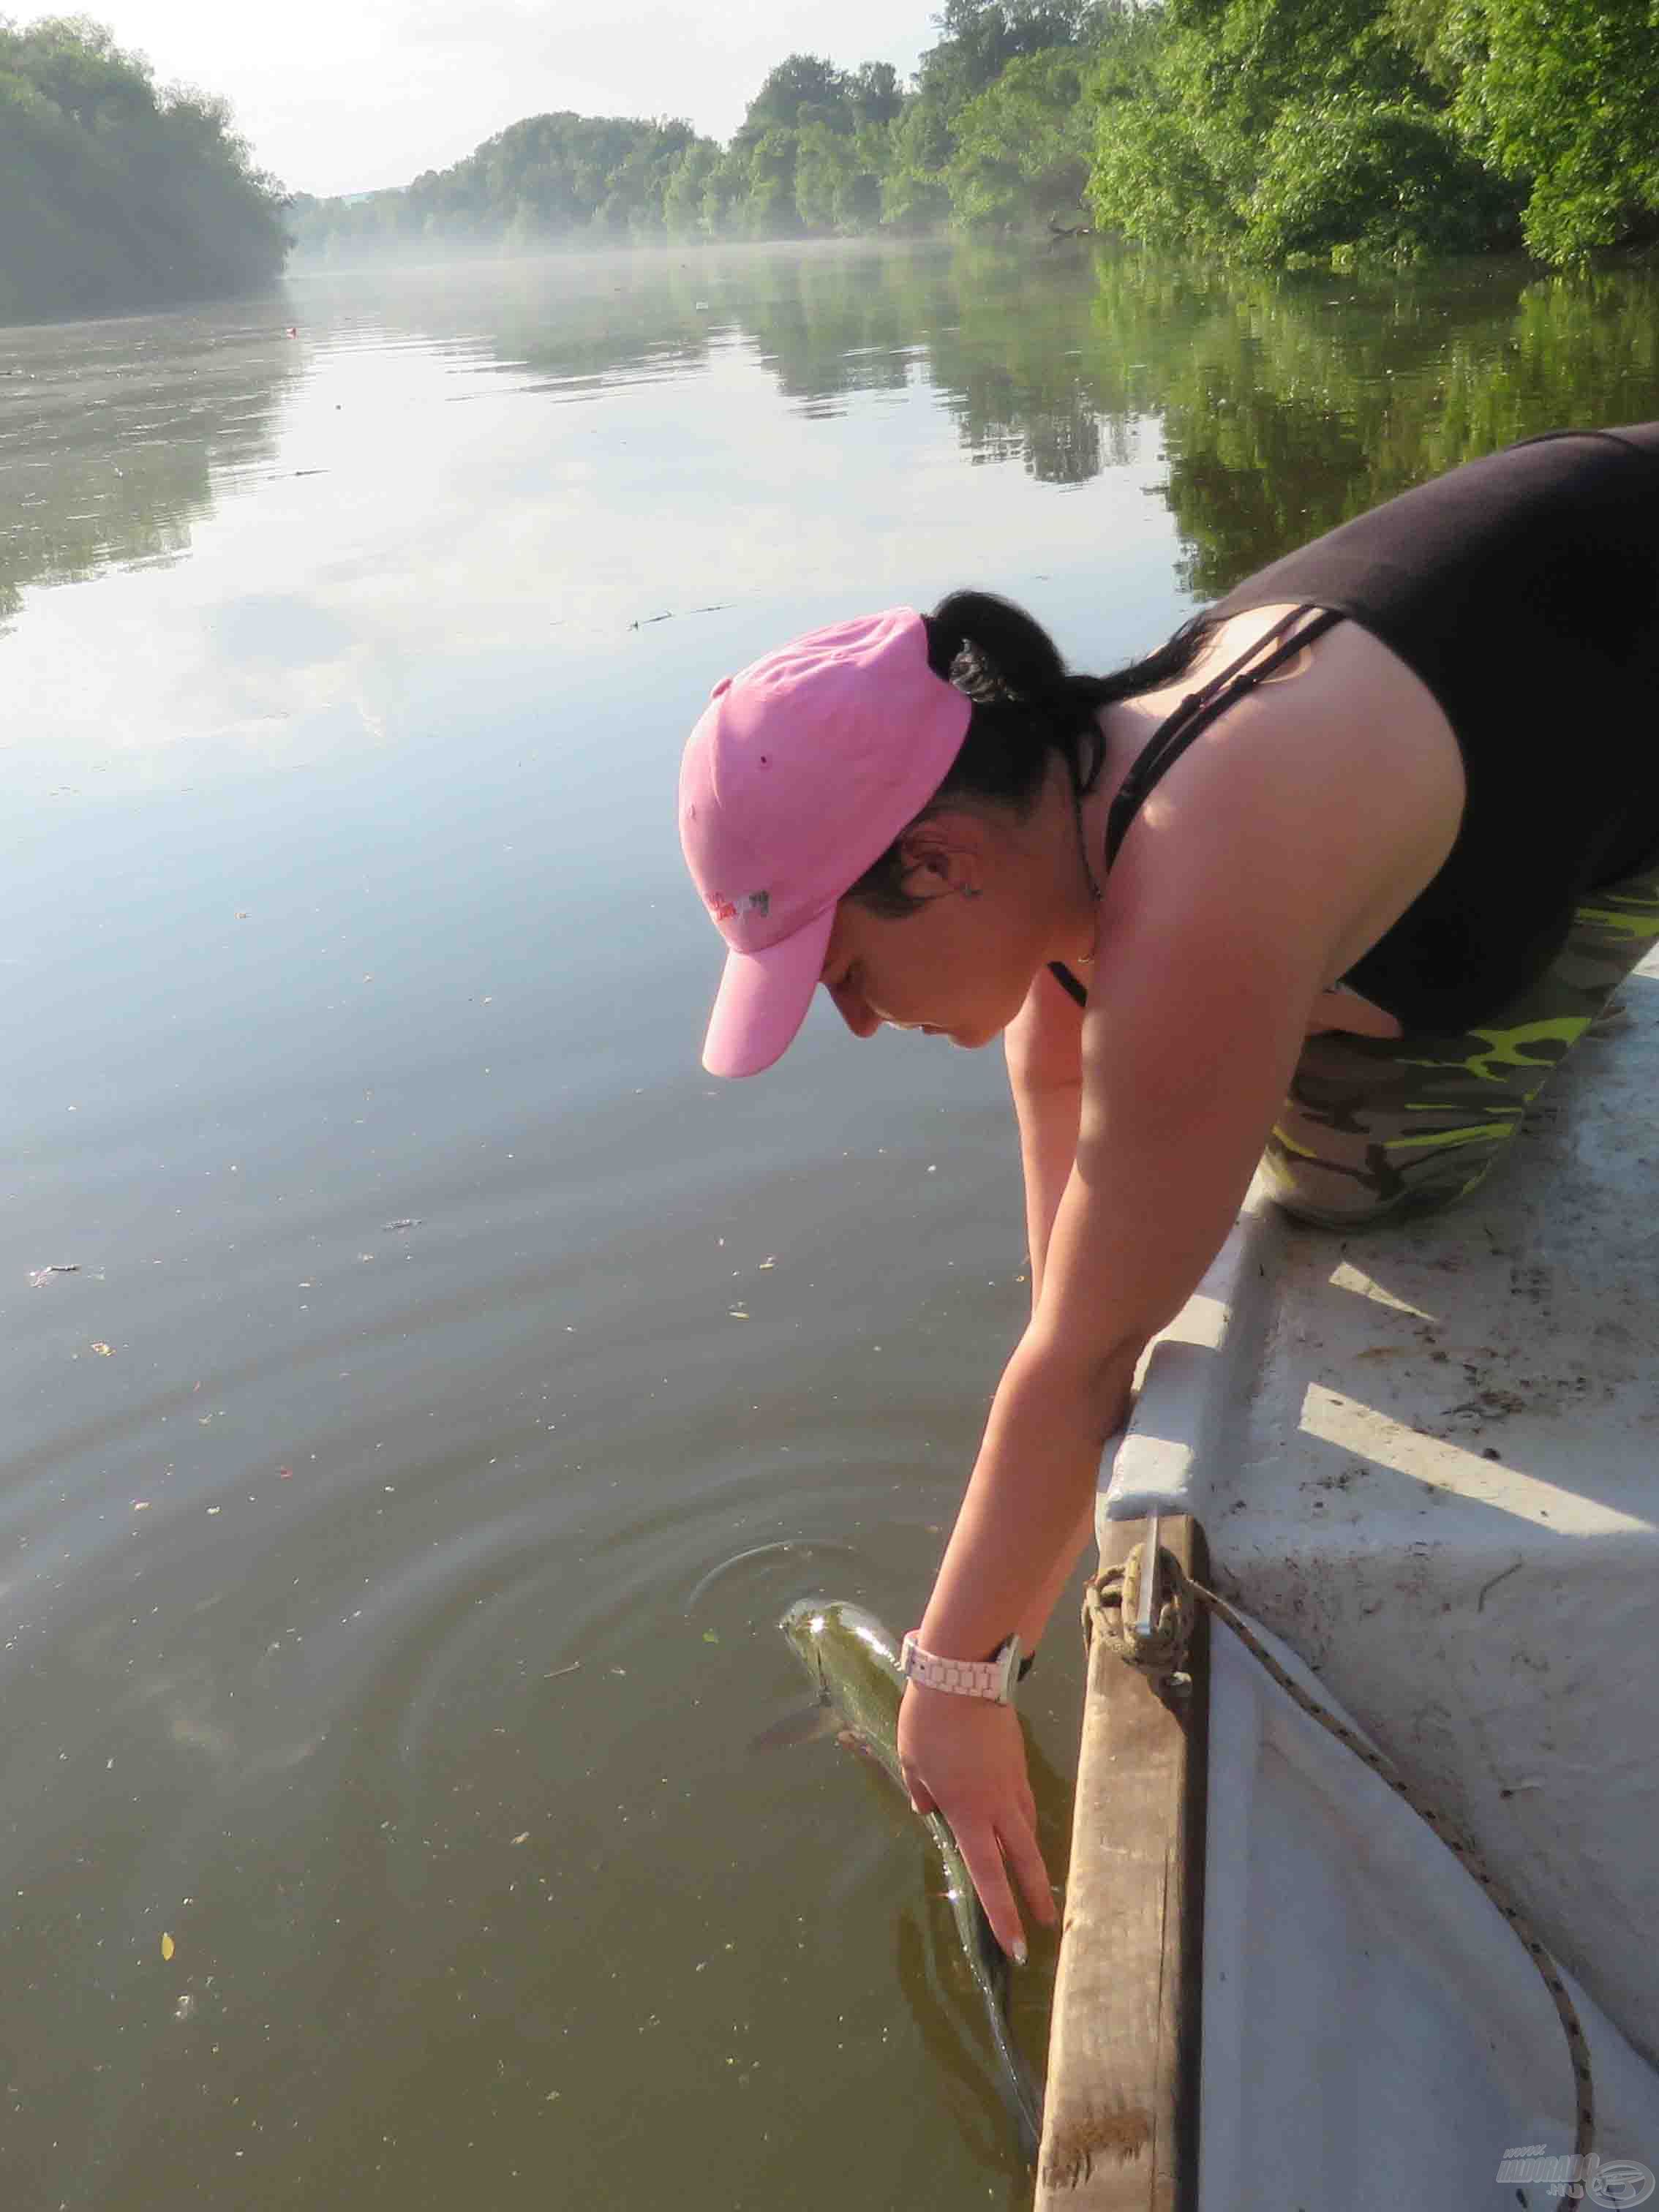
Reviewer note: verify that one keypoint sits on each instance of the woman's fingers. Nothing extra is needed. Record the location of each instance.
(989, 1875)
(1024, 1855)
(967, 1762)
(991, 1858)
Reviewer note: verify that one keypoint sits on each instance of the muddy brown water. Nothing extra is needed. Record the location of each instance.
(425, 1386)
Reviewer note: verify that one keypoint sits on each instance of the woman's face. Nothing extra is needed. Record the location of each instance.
(961, 965)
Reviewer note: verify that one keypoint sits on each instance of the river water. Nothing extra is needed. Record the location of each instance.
(425, 1386)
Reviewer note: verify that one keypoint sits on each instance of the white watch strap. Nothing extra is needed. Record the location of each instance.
(991, 1678)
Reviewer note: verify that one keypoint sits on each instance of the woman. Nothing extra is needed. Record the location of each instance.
(1340, 872)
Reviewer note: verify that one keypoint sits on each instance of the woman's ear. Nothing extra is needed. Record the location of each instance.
(944, 856)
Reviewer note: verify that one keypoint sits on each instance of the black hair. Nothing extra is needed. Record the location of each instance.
(1028, 708)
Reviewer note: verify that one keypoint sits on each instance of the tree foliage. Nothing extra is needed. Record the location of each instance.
(1275, 131)
(1566, 97)
(117, 193)
(1023, 145)
(607, 177)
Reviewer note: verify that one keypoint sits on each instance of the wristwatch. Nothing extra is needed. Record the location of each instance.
(992, 1678)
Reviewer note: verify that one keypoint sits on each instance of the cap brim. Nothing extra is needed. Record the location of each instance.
(763, 999)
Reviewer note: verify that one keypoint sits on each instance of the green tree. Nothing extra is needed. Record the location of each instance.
(1288, 127)
(685, 187)
(826, 161)
(723, 194)
(875, 93)
(803, 87)
(1023, 145)
(769, 211)
(982, 37)
(1372, 178)
(546, 179)
(113, 193)
(979, 39)
(1565, 98)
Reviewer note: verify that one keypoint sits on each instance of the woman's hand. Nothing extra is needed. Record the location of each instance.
(964, 1757)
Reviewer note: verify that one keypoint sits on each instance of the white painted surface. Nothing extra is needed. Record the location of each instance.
(1374, 2035)
(1428, 1458)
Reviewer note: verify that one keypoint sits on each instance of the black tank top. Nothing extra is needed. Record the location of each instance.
(1523, 590)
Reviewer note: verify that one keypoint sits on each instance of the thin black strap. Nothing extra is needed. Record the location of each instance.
(1189, 720)
(1199, 709)
(1068, 982)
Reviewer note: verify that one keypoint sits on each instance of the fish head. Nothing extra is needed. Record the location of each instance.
(834, 1639)
(852, 1660)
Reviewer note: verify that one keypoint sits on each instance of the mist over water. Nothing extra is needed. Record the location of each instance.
(444, 1385)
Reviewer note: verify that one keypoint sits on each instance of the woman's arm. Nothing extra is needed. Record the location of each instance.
(1178, 1104)
(1044, 1048)
(1213, 951)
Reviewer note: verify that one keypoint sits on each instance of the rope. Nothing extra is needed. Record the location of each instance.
(1110, 1603)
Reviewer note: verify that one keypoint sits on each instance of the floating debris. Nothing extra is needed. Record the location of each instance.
(393, 1227)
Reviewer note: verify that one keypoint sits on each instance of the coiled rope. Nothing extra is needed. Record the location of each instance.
(1153, 1637)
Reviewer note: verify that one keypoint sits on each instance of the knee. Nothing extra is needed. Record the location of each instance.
(1330, 1195)
(1322, 1195)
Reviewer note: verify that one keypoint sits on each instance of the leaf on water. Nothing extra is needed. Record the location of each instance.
(102, 1350)
(709, 1637)
(524, 1838)
(167, 1947)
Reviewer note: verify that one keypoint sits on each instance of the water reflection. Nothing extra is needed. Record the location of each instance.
(116, 439)
(1283, 403)
(1286, 402)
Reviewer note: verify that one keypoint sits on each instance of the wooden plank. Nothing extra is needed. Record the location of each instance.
(1120, 2126)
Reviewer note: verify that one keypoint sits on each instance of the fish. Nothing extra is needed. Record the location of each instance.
(852, 1660)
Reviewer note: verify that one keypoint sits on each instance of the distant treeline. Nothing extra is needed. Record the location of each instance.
(1277, 131)
(114, 193)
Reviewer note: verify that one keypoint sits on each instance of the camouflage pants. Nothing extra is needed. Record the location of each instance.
(1378, 1129)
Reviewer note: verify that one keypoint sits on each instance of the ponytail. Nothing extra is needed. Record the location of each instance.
(1028, 709)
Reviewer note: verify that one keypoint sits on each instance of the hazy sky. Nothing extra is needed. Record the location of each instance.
(345, 96)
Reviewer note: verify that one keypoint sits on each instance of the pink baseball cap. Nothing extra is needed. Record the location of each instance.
(799, 775)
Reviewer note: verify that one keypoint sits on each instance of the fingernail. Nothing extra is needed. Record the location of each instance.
(1019, 1954)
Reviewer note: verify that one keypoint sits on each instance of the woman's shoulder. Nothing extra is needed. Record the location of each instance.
(1344, 698)
(1339, 767)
